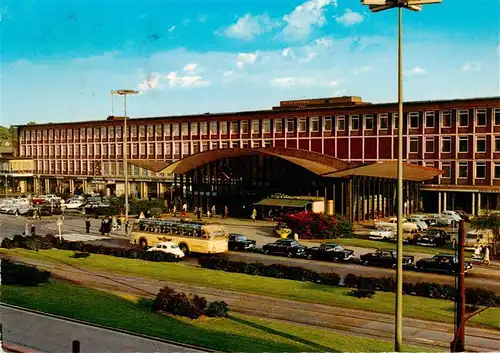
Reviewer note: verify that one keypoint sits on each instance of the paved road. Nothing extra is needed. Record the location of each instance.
(365, 324)
(49, 334)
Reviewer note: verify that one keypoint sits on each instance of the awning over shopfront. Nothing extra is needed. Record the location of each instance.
(295, 203)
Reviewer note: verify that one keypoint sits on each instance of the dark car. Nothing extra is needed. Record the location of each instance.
(430, 241)
(441, 263)
(239, 242)
(465, 216)
(442, 238)
(330, 252)
(288, 247)
(384, 258)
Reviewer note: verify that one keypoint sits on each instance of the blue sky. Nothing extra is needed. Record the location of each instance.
(61, 58)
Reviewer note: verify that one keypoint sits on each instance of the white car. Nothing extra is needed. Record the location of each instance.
(419, 222)
(451, 215)
(168, 247)
(392, 223)
(72, 204)
(382, 234)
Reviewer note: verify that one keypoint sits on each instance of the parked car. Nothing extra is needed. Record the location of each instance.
(382, 234)
(288, 247)
(330, 252)
(73, 204)
(451, 215)
(38, 200)
(239, 242)
(436, 220)
(384, 258)
(430, 241)
(439, 233)
(464, 215)
(392, 223)
(441, 263)
(419, 222)
(168, 247)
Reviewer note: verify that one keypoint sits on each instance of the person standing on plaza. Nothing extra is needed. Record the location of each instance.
(87, 225)
(200, 212)
(26, 229)
(487, 255)
(226, 212)
(185, 207)
(213, 210)
(174, 211)
(209, 214)
(103, 229)
(254, 215)
(33, 230)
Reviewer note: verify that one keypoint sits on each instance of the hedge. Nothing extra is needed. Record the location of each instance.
(22, 274)
(474, 296)
(50, 241)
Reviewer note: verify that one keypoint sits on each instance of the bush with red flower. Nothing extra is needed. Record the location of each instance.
(309, 225)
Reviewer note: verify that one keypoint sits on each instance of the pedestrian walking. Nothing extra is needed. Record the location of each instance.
(174, 211)
(226, 212)
(200, 212)
(185, 207)
(254, 215)
(33, 230)
(209, 214)
(487, 255)
(102, 229)
(87, 225)
(26, 229)
(213, 210)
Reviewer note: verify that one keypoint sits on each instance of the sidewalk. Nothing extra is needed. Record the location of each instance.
(355, 322)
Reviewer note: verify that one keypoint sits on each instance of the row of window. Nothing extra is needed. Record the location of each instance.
(166, 148)
(463, 170)
(266, 126)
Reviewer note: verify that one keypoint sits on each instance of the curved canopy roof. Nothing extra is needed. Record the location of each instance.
(316, 163)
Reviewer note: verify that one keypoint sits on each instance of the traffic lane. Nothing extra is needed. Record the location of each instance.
(343, 269)
(51, 334)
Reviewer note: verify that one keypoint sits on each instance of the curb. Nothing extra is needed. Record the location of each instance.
(117, 330)
(15, 348)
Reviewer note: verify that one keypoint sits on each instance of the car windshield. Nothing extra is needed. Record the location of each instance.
(241, 238)
(174, 246)
(338, 248)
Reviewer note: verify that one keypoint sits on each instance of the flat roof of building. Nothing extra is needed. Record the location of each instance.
(281, 111)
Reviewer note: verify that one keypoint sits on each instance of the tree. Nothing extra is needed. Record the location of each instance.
(489, 222)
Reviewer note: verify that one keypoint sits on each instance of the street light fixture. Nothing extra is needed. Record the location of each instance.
(125, 93)
(378, 6)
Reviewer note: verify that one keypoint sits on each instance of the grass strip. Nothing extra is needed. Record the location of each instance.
(383, 302)
(236, 333)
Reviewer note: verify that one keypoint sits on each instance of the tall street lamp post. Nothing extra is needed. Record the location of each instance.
(378, 6)
(125, 93)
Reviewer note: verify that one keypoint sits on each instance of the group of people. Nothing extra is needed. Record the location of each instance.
(108, 224)
(30, 229)
(198, 211)
(482, 253)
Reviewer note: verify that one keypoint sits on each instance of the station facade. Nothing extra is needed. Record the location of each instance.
(460, 137)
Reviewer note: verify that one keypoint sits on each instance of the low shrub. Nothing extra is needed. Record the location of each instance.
(192, 306)
(22, 274)
(217, 309)
(363, 293)
(81, 255)
(479, 296)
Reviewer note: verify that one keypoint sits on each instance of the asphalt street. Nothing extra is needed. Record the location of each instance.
(54, 335)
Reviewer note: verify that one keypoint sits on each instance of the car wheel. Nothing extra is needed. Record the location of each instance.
(266, 252)
(289, 255)
(309, 256)
(365, 263)
(143, 244)
(336, 259)
(394, 266)
(184, 248)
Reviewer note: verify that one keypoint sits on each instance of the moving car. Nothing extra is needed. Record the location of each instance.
(392, 223)
(168, 247)
(330, 252)
(239, 242)
(382, 234)
(446, 263)
(384, 258)
(287, 247)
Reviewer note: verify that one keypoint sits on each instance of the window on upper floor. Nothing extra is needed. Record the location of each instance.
(496, 116)
(158, 131)
(69, 133)
(213, 128)
(234, 127)
(195, 147)
(57, 134)
(150, 131)
(223, 127)
(327, 123)
(175, 129)
(463, 170)
(142, 131)
(497, 143)
(446, 118)
(151, 149)
(463, 118)
(354, 122)
(480, 170)
(255, 126)
(414, 120)
(395, 121)
(496, 170)
(413, 144)
(133, 131)
(429, 144)
(194, 129)
(290, 125)
(118, 132)
(235, 144)
(185, 148)
(204, 146)
(166, 131)
(185, 129)
(481, 119)
(481, 144)
(204, 128)
(266, 126)
(340, 123)
(446, 145)
(314, 122)
(63, 134)
(244, 127)
(383, 121)
(278, 125)
(430, 119)
(214, 145)
(463, 144)
(369, 122)
(302, 125)
(111, 132)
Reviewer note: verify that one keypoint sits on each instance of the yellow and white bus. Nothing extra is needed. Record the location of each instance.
(196, 237)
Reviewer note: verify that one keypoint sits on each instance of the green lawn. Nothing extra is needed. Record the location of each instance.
(416, 307)
(236, 333)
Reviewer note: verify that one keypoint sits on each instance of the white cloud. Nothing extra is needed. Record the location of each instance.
(175, 80)
(171, 29)
(363, 69)
(309, 57)
(202, 18)
(301, 21)
(248, 27)
(303, 82)
(190, 68)
(152, 82)
(286, 52)
(350, 18)
(472, 66)
(227, 73)
(246, 59)
(417, 70)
